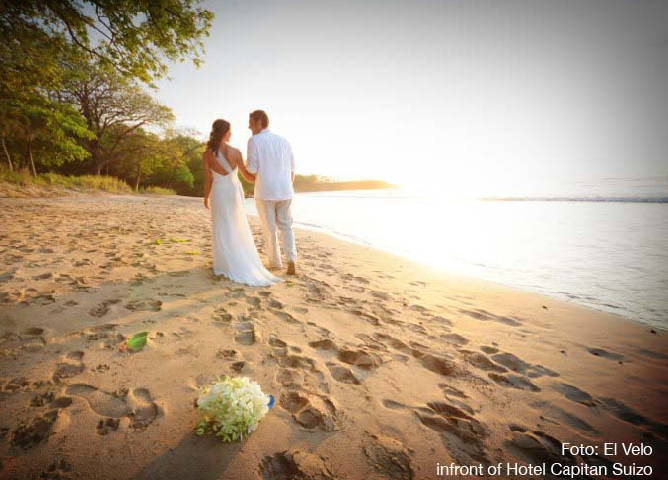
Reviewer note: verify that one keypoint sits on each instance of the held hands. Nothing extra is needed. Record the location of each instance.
(206, 203)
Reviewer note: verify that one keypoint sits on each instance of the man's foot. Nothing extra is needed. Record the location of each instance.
(291, 268)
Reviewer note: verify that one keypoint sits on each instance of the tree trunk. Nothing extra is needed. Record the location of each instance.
(32, 162)
(94, 149)
(9, 159)
(138, 177)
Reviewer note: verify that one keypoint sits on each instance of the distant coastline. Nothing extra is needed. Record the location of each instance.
(334, 186)
(318, 183)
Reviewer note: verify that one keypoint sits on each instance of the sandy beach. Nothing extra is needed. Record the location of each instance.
(381, 368)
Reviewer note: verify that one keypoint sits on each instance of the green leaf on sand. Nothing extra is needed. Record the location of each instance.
(137, 342)
(177, 240)
(290, 284)
(158, 241)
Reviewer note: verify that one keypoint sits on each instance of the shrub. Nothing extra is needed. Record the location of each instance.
(157, 191)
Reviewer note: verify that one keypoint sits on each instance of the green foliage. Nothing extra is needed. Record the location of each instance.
(84, 183)
(137, 38)
(70, 95)
(157, 191)
(101, 182)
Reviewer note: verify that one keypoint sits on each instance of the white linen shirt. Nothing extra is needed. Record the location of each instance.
(270, 158)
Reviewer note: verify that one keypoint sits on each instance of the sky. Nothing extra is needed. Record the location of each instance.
(453, 94)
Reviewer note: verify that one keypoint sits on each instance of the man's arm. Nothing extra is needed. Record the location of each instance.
(292, 164)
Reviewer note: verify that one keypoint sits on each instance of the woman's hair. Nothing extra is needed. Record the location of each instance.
(218, 130)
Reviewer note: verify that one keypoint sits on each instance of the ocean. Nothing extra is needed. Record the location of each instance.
(603, 245)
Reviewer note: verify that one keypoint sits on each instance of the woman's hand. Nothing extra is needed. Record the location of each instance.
(206, 203)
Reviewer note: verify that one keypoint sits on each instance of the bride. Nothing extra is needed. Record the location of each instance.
(234, 252)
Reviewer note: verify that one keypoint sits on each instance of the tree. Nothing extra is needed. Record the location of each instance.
(113, 107)
(51, 132)
(9, 125)
(136, 38)
(184, 151)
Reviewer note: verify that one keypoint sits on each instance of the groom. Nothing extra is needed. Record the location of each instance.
(270, 159)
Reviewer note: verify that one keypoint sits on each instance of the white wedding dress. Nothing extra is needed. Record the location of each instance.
(234, 252)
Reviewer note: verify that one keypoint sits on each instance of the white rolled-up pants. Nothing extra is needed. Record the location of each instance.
(276, 214)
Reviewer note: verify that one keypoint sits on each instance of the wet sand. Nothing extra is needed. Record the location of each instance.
(381, 367)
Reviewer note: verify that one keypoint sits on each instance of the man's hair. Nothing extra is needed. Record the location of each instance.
(260, 115)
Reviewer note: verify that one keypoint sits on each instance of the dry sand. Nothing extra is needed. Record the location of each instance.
(381, 367)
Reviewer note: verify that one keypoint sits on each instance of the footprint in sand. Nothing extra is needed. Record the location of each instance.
(103, 308)
(358, 358)
(557, 416)
(486, 316)
(289, 377)
(107, 425)
(274, 304)
(297, 361)
(136, 404)
(393, 342)
(227, 354)
(324, 344)
(343, 374)
(245, 330)
(294, 464)
(253, 301)
(389, 457)
(536, 447)
(57, 470)
(574, 394)
(69, 366)
(437, 364)
(366, 316)
(513, 381)
(102, 403)
(285, 316)
(518, 365)
(455, 418)
(32, 332)
(143, 409)
(221, 316)
(455, 338)
(27, 435)
(310, 411)
(142, 305)
(481, 361)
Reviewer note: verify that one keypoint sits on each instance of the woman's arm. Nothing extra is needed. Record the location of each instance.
(208, 178)
(242, 168)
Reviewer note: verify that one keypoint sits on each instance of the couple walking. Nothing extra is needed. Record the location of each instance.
(271, 167)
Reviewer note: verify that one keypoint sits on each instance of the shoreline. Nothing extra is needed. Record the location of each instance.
(381, 367)
(349, 240)
(571, 297)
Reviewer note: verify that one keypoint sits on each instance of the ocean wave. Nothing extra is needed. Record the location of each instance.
(578, 199)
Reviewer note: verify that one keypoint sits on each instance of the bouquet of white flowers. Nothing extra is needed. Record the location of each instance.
(231, 408)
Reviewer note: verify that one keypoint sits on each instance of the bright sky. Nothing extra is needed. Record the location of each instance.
(450, 94)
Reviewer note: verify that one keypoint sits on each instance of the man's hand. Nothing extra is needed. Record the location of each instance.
(206, 203)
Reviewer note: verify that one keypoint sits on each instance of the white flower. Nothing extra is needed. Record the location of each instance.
(231, 408)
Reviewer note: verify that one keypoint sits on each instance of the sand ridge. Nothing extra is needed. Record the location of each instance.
(381, 367)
